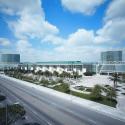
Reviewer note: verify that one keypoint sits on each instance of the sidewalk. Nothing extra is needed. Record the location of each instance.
(100, 108)
(121, 97)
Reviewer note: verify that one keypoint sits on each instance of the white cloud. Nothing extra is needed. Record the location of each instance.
(16, 7)
(116, 10)
(79, 46)
(30, 22)
(113, 30)
(84, 53)
(29, 53)
(83, 44)
(78, 38)
(32, 26)
(75, 47)
(86, 7)
(4, 42)
(87, 44)
(56, 40)
(81, 37)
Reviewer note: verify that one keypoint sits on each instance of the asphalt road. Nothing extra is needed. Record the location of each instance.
(50, 110)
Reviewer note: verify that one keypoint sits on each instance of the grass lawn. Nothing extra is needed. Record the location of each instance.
(62, 88)
(65, 88)
(81, 95)
(104, 100)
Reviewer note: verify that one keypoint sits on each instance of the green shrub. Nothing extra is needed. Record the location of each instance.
(89, 73)
(96, 93)
(89, 89)
(60, 81)
(62, 88)
(44, 82)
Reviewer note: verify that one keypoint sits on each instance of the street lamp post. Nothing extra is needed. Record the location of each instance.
(6, 114)
(70, 91)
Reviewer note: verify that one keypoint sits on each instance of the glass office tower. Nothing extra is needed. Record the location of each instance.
(10, 58)
(111, 56)
(8, 61)
(111, 61)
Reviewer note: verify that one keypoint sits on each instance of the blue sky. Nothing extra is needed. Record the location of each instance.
(45, 30)
(62, 18)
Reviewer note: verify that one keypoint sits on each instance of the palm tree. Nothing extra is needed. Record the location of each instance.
(55, 73)
(63, 74)
(115, 79)
(66, 74)
(111, 93)
(75, 74)
(47, 73)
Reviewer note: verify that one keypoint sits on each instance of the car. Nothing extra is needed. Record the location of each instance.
(16, 103)
(1, 72)
(24, 117)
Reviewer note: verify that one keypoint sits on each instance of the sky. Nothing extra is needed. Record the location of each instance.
(55, 30)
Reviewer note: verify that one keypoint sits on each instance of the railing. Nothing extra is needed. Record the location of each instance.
(112, 62)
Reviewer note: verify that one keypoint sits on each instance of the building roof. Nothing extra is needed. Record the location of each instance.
(60, 63)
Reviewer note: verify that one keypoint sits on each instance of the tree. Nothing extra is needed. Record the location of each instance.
(115, 79)
(11, 113)
(55, 73)
(111, 93)
(76, 75)
(47, 73)
(33, 72)
(123, 77)
(96, 93)
(45, 82)
(65, 74)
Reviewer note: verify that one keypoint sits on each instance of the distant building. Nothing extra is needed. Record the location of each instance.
(59, 66)
(9, 60)
(111, 56)
(111, 62)
(90, 67)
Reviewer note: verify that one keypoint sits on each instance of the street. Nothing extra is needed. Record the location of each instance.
(47, 109)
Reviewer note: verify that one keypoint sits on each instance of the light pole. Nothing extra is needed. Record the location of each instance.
(70, 91)
(6, 114)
